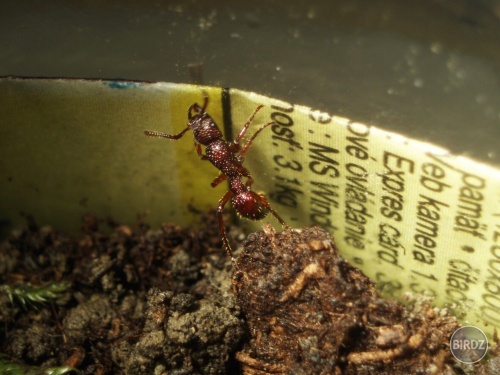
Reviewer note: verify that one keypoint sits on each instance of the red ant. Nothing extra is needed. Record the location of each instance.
(228, 158)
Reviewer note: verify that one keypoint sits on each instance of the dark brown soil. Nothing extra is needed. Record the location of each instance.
(160, 301)
(141, 301)
(317, 314)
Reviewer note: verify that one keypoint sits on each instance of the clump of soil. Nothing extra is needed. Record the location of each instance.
(163, 301)
(310, 312)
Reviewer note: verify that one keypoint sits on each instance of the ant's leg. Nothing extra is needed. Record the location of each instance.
(249, 143)
(198, 151)
(265, 203)
(164, 135)
(218, 180)
(222, 229)
(234, 147)
(244, 172)
(249, 181)
(245, 127)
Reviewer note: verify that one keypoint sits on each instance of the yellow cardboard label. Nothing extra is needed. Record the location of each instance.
(412, 216)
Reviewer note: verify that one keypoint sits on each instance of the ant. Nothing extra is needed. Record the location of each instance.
(228, 158)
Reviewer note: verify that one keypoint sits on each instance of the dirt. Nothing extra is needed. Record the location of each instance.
(169, 301)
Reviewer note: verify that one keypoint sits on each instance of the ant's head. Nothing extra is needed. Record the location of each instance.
(248, 205)
(203, 126)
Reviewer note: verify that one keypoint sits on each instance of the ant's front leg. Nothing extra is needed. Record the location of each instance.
(198, 151)
(249, 143)
(245, 127)
(234, 148)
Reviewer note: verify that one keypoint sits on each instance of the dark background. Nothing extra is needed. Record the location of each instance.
(428, 69)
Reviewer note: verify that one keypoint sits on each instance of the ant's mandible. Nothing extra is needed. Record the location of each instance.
(228, 158)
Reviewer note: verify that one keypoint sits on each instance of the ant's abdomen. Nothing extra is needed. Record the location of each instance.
(247, 205)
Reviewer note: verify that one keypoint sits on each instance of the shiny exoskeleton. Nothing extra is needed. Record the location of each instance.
(228, 158)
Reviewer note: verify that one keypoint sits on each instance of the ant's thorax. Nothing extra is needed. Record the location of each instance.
(220, 155)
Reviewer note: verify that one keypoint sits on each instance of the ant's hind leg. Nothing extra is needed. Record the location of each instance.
(278, 217)
(266, 204)
(222, 228)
